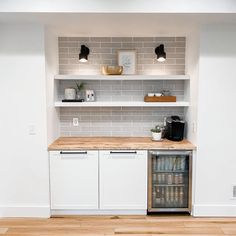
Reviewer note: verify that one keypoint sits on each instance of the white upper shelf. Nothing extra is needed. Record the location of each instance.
(122, 77)
(122, 104)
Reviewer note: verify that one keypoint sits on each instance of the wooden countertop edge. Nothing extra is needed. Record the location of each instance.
(94, 149)
(116, 143)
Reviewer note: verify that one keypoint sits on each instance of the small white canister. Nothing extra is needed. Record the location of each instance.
(70, 93)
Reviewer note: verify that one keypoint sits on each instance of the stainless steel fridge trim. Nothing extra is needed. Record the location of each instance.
(174, 152)
(149, 181)
(190, 183)
(168, 210)
(189, 208)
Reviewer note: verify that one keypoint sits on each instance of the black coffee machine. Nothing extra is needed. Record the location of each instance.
(174, 129)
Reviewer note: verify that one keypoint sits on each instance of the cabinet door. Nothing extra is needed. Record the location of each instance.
(123, 180)
(74, 180)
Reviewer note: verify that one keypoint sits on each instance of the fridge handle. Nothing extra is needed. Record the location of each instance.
(170, 152)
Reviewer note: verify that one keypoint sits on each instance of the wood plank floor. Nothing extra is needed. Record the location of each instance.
(122, 226)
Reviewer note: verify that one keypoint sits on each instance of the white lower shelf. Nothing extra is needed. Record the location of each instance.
(121, 104)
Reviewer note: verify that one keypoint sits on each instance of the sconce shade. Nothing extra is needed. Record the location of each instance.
(84, 52)
(160, 52)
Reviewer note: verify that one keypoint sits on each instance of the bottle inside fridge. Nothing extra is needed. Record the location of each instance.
(169, 181)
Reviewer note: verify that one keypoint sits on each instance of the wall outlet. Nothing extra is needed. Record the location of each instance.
(233, 192)
(32, 129)
(194, 127)
(75, 121)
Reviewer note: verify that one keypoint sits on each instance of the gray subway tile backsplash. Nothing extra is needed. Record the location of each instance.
(120, 121)
(114, 121)
(106, 49)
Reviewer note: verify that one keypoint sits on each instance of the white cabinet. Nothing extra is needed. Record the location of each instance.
(74, 179)
(98, 180)
(123, 180)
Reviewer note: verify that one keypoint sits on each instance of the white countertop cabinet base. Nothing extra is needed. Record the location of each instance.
(74, 180)
(123, 180)
(98, 182)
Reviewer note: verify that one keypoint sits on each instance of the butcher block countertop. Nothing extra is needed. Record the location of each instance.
(122, 143)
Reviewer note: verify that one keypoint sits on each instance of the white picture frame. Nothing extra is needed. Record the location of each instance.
(127, 59)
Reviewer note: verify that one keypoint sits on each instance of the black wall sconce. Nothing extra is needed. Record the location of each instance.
(161, 55)
(84, 52)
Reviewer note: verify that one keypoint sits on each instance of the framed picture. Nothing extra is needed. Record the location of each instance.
(127, 59)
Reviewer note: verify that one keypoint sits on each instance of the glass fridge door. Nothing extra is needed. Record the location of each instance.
(169, 181)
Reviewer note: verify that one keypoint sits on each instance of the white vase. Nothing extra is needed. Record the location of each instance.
(70, 93)
(156, 136)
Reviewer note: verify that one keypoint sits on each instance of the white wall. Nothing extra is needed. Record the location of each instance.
(216, 159)
(167, 6)
(24, 181)
(192, 67)
(24, 186)
(51, 59)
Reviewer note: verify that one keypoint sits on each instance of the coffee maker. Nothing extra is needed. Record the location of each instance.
(174, 129)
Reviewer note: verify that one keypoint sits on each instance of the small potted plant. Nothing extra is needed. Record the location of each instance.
(79, 88)
(156, 133)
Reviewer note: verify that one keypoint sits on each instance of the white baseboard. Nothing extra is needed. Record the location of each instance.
(44, 211)
(98, 212)
(25, 211)
(214, 210)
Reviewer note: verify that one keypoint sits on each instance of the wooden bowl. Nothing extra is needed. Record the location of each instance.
(112, 70)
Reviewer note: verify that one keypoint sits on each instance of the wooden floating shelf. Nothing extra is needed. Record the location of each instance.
(121, 104)
(122, 77)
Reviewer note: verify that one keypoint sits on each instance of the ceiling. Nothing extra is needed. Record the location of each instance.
(119, 24)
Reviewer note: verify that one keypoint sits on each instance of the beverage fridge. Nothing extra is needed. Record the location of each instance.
(169, 181)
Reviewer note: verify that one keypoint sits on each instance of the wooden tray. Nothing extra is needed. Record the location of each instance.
(160, 99)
